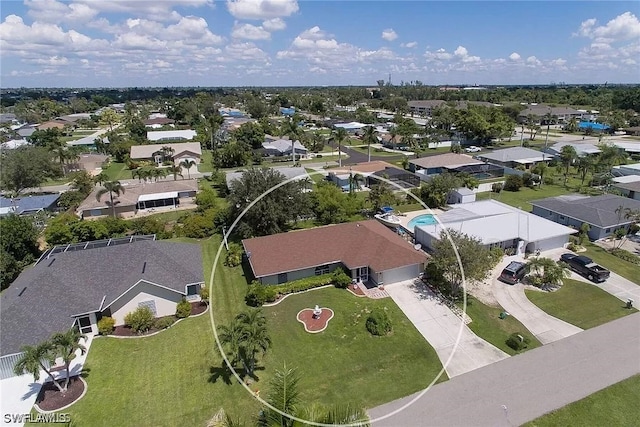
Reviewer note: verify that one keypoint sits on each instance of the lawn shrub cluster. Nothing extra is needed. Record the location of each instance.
(258, 294)
(183, 309)
(497, 187)
(378, 323)
(340, 278)
(513, 183)
(140, 320)
(106, 325)
(165, 322)
(204, 294)
(625, 255)
(304, 284)
(234, 255)
(517, 341)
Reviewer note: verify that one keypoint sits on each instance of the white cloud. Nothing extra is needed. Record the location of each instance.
(389, 35)
(409, 45)
(514, 56)
(622, 27)
(245, 52)
(275, 24)
(261, 9)
(533, 61)
(249, 32)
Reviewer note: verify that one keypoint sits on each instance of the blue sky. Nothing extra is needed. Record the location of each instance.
(94, 43)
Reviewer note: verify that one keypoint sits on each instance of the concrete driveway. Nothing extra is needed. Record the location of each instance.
(441, 327)
(513, 299)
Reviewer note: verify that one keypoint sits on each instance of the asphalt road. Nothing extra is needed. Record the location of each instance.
(524, 387)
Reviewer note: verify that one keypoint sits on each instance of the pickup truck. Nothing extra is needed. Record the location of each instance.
(586, 267)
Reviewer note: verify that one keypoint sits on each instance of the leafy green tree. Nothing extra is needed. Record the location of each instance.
(585, 165)
(513, 183)
(109, 117)
(256, 109)
(26, 167)
(111, 187)
(250, 134)
(231, 155)
(65, 346)
(35, 358)
(255, 338)
(381, 194)
(137, 130)
(434, 193)
(85, 231)
(58, 230)
(540, 169)
(273, 213)
(474, 257)
(83, 182)
(44, 137)
(19, 247)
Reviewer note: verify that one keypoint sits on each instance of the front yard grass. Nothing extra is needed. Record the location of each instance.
(616, 405)
(486, 324)
(117, 171)
(206, 162)
(581, 304)
(611, 262)
(521, 199)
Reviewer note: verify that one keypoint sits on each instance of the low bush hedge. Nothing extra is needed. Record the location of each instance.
(106, 325)
(378, 323)
(165, 322)
(140, 320)
(258, 294)
(183, 309)
(517, 341)
(625, 255)
(303, 284)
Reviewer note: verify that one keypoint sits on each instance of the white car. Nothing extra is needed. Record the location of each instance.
(472, 149)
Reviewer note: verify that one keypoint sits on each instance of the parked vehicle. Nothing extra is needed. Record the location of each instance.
(513, 273)
(586, 267)
(472, 149)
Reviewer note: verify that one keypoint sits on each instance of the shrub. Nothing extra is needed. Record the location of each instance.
(549, 180)
(198, 225)
(234, 255)
(106, 325)
(625, 255)
(304, 284)
(140, 320)
(183, 309)
(574, 239)
(165, 322)
(204, 294)
(378, 323)
(256, 295)
(634, 228)
(340, 278)
(496, 253)
(513, 183)
(496, 187)
(517, 341)
(572, 247)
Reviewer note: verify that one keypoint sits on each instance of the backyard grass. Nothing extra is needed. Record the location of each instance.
(206, 162)
(624, 268)
(616, 405)
(581, 304)
(487, 324)
(117, 171)
(522, 198)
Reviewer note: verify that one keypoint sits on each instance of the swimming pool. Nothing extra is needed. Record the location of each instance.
(424, 219)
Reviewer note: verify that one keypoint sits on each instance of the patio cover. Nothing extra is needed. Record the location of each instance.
(158, 196)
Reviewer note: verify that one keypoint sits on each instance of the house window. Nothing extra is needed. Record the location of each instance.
(151, 305)
(323, 269)
(84, 324)
(282, 278)
(192, 289)
(608, 230)
(561, 216)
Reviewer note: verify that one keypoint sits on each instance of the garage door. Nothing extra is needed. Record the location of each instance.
(401, 274)
(553, 243)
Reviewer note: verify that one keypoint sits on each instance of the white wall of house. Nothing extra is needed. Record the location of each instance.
(165, 301)
(187, 156)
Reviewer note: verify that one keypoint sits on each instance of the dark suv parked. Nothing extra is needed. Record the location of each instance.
(513, 273)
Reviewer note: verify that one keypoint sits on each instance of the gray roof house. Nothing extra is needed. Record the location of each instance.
(79, 284)
(629, 189)
(598, 211)
(283, 147)
(581, 149)
(27, 205)
(514, 156)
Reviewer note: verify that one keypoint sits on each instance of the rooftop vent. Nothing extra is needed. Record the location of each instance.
(52, 261)
(144, 267)
(22, 291)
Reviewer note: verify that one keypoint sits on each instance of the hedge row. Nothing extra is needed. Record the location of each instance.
(303, 284)
(625, 255)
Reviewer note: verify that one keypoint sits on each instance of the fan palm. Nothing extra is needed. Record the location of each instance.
(370, 137)
(175, 170)
(547, 272)
(354, 182)
(188, 164)
(32, 360)
(340, 135)
(158, 173)
(111, 187)
(66, 345)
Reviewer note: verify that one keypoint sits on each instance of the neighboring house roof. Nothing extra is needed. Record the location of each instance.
(133, 192)
(492, 221)
(370, 167)
(147, 151)
(597, 210)
(426, 103)
(13, 144)
(514, 154)
(43, 299)
(159, 135)
(629, 147)
(26, 130)
(631, 169)
(91, 158)
(631, 186)
(288, 172)
(581, 149)
(158, 121)
(541, 110)
(72, 118)
(7, 117)
(59, 124)
(351, 125)
(444, 160)
(284, 146)
(355, 244)
(20, 205)
(625, 179)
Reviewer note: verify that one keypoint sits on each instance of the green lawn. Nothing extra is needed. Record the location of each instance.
(522, 198)
(117, 171)
(374, 152)
(580, 304)
(616, 405)
(206, 164)
(487, 324)
(613, 263)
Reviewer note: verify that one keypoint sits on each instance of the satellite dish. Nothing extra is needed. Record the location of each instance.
(417, 246)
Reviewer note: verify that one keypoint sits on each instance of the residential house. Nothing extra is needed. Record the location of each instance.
(558, 114)
(626, 170)
(13, 144)
(425, 108)
(377, 168)
(633, 130)
(171, 135)
(8, 118)
(92, 163)
(158, 122)
(582, 150)
(514, 157)
(78, 284)
(430, 165)
(604, 214)
(26, 130)
(629, 189)
(370, 251)
(284, 147)
(28, 205)
(496, 224)
(141, 196)
(176, 152)
(54, 124)
(461, 195)
(352, 127)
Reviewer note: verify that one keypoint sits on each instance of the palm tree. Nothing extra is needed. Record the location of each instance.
(354, 181)
(175, 170)
(340, 135)
(32, 360)
(567, 155)
(102, 177)
(188, 164)
(111, 187)
(370, 137)
(547, 272)
(157, 173)
(585, 165)
(231, 338)
(166, 152)
(255, 339)
(540, 169)
(66, 345)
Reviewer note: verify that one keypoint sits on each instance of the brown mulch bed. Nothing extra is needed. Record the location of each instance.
(315, 324)
(356, 290)
(51, 399)
(198, 307)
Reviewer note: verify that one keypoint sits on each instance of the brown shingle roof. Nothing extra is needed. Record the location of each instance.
(355, 244)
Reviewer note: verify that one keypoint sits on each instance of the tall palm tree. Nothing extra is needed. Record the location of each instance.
(157, 173)
(66, 345)
(255, 339)
(33, 359)
(111, 187)
(567, 155)
(102, 177)
(231, 338)
(188, 164)
(175, 170)
(370, 137)
(340, 135)
(354, 181)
